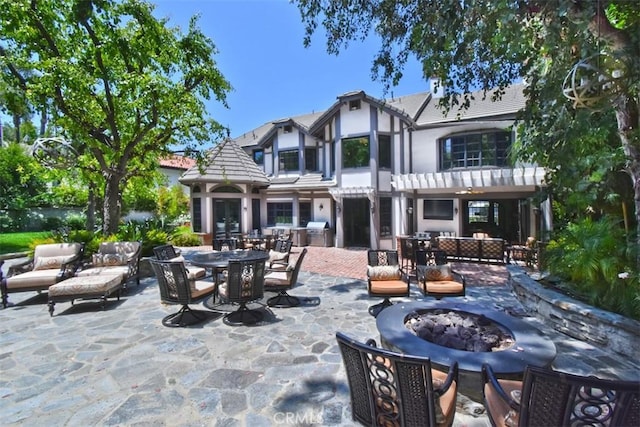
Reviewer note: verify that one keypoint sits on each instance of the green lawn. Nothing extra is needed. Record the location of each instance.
(19, 242)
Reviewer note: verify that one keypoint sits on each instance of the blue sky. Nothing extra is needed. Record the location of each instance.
(274, 76)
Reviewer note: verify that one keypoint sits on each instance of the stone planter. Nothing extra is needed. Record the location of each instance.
(606, 330)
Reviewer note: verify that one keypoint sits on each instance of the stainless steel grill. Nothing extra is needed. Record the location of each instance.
(319, 234)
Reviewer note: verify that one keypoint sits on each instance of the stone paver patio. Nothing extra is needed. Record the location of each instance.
(120, 366)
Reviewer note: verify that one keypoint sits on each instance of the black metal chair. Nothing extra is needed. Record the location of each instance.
(244, 283)
(225, 244)
(169, 253)
(546, 397)
(430, 257)
(408, 246)
(281, 281)
(385, 278)
(279, 255)
(389, 388)
(176, 288)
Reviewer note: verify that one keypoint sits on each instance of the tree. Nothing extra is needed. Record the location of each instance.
(22, 184)
(121, 84)
(486, 44)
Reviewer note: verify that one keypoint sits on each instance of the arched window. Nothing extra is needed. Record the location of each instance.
(196, 189)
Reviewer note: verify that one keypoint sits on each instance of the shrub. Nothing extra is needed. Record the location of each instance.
(591, 257)
(76, 221)
(153, 237)
(185, 239)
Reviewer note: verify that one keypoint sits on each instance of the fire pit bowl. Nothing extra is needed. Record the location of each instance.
(531, 347)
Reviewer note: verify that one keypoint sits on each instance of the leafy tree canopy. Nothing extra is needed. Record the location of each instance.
(123, 85)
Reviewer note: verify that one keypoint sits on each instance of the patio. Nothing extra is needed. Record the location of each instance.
(120, 366)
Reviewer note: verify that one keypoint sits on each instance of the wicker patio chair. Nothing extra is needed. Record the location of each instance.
(550, 398)
(283, 280)
(385, 278)
(243, 284)
(279, 255)
(394, 389)
(435, 276)
(176, 288)
(169, 253)
(225, 244)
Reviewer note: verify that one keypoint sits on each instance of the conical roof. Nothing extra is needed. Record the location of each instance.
(227, 163)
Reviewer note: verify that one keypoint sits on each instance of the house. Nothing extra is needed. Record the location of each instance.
(375, 169)
(173, 167)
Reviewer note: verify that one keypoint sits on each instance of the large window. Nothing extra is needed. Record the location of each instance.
(355, 152)
(385, 216)
(289, 160)
(475, 150)
(384, 151)
(311, 159)
(279, 213)
(437, 209)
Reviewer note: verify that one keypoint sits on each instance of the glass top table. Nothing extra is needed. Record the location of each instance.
(220, 260)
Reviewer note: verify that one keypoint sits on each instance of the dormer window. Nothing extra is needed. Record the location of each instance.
(354, 104)
(287, 129)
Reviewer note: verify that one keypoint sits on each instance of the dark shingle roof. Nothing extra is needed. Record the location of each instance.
(227, 162)
(511, 102)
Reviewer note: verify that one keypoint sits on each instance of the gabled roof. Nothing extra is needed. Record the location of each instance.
(261, 135)
(511, 102)
(227, 162)
(382, 104)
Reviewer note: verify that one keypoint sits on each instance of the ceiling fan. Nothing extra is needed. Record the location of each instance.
(470, 190)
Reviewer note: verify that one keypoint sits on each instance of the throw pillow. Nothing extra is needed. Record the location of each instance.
(384, 272)
(435, 273)
(111, 260)
(49, 262)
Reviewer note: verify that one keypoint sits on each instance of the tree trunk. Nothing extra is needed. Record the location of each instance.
(628, 121)
(111, 210)
(91, 209)
(16, 126)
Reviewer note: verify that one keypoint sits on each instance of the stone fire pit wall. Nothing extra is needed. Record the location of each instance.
(601, 328)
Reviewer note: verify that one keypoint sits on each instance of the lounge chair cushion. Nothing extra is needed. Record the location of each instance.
(33, 279)
(383, 272)
(94, 271)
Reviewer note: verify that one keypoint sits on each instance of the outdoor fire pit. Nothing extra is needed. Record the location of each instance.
(520, 345)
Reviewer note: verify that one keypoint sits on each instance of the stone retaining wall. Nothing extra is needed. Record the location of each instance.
(601, 328)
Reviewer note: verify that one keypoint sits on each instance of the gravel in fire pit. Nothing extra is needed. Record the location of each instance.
(459, 330)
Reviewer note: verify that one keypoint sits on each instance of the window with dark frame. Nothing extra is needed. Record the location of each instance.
(258, 157)
(289, 160)
(305, 213)
(437, 209)
(197, 215)
(354, 104)
(279, 213)
(385, 216)
(355, 152)
(287, 129)
(384, 151)
(310, 159)
(475, 150)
